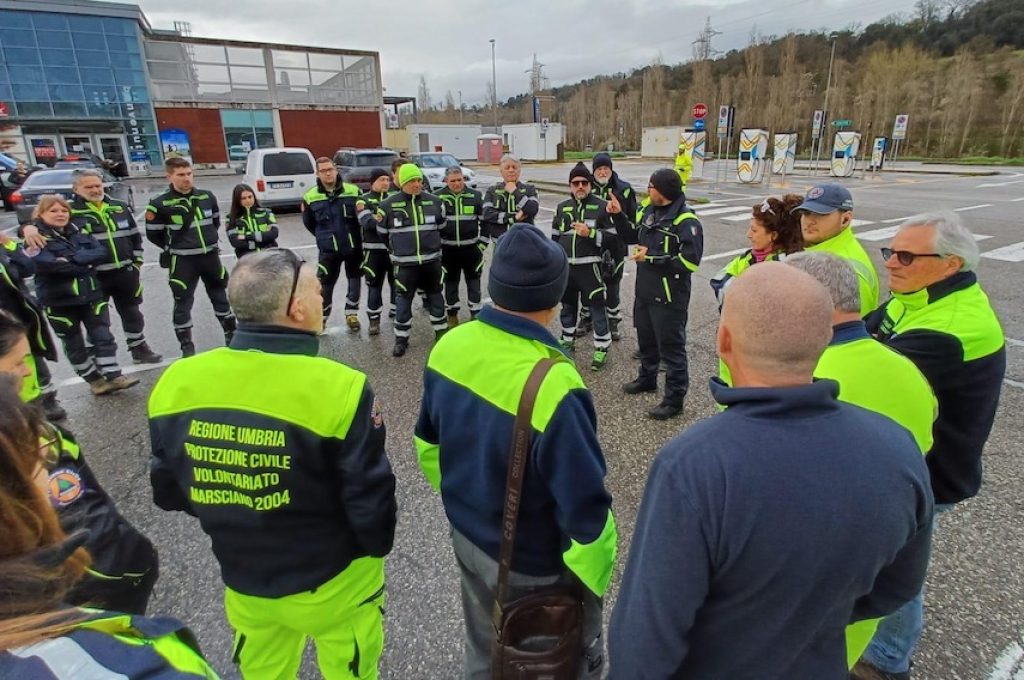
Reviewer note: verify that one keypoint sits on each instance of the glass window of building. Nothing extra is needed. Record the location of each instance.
(245, 130)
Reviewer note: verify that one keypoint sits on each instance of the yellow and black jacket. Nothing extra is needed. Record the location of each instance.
(113, 225)
(184, 224)
(675, 243)
(254, 229)
(280, 454)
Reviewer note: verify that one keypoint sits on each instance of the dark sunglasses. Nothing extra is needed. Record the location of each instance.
(580, 182)
(905, 257)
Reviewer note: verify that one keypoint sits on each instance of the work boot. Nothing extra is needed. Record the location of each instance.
(122, 382)
(188, 348)
(600, 359)
(228, 325)
(453, 319)
(401, 344)
(352, 320)
(100, 386)
(51, 407)
(567, 345)
(613, 326)
(865, 671)
(374, 328)
(142, 354)
(639, 386)
(665, 410)
(585, 327)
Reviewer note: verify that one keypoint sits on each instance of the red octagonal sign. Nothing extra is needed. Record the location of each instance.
(700, 110)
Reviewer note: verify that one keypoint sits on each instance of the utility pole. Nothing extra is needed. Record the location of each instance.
(460, 107)
(702, 45)
(828, 86)
(494, 87)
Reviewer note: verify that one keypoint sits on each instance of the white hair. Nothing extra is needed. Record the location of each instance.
(835, 273)
(952, 237)
(509, 158)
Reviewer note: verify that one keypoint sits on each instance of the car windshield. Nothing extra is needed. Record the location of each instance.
(285, 163)
(443, 160)
(383, 160)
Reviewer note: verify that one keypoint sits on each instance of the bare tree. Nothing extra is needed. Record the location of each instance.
(423, 98)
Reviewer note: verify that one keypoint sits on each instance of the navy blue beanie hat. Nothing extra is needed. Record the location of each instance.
(529, 271)
(601, 160)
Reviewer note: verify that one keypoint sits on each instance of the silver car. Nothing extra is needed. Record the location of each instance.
(434, 165)
(59, 181)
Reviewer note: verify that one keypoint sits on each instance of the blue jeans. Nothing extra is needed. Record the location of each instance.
(898, 634)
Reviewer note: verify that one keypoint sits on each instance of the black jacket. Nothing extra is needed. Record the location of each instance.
(121, 555)
(66, 267)
(114, 227)
(462, 227)
(372, 239)
(280, 454)
(675, 243)
(15, 298)
(500, 207)
(184, 224)
(252, 230)
(593, 212)
(951, 333)
(411, 226)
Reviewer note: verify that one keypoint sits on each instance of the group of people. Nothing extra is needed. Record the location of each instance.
(787, 536)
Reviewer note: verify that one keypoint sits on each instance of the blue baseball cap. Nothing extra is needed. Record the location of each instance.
(826, 198)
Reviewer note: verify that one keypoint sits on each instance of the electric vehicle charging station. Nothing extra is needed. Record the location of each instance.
(845, 146)
(750, 165)
(695, 141)
(878, 153)
(784, 155)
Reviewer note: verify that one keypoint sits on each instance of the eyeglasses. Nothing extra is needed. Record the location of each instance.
(580, 182)
(905, 257)
(297, 263)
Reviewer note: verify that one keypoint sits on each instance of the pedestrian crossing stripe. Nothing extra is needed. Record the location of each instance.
(1011, 253)
(888, 232)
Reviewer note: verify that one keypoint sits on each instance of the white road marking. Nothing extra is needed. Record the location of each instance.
(1010, 659)
(1014, 343)
(1020, 671)
(973, 207)
(888, 232)
(1011, 253)
(127, 370)
(1017, 200)
(701, 212)
(230, 256)
(720, 256)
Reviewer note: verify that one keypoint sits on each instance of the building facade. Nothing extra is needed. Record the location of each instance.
(78, 76)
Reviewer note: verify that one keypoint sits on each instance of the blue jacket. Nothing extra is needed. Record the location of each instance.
(766, 529)
(464, 434)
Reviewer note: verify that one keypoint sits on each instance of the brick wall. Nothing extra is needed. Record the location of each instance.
(324, 132)
(206, 135)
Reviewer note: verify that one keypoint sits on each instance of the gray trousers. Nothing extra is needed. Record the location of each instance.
(480, 578)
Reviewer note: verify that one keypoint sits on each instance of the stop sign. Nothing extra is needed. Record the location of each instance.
(700, 110)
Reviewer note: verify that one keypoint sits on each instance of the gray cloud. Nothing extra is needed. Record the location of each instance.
(447, 41)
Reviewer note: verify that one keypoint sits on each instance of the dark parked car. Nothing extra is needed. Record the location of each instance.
(355, 165)
(59, 181)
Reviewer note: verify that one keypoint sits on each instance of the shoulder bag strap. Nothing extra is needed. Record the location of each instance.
(521, 435)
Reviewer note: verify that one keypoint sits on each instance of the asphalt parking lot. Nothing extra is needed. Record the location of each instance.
(975, 601)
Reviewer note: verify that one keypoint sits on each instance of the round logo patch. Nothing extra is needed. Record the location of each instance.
(65, 487)
(814, 193)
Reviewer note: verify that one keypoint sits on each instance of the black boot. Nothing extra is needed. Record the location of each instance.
(51, 407)
(401, 344)
(640, 385)
(666, 409)
(184, 335)
(613, 326)
(142, 354)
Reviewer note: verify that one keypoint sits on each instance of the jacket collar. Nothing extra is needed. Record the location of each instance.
(849, 331)
(275, 340)
(517, 325)
(46, 230)
(171, 189)
(844, 237)
(339, 186)
(937, 291)
(778, 403)
(79, 203)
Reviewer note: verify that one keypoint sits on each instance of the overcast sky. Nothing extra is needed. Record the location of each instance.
(448, 41)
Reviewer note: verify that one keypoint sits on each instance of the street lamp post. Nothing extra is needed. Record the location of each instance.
(828, 86)
(494, 88)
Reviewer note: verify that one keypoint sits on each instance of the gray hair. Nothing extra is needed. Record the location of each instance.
(81, 173)
(952, 237)
(509, 158)
(260, 283)
(451, 170)
(835, 273)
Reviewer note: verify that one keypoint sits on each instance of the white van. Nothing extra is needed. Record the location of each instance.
(280, 175)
